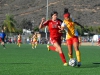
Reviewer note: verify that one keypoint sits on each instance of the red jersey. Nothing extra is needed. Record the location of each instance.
(53, 28)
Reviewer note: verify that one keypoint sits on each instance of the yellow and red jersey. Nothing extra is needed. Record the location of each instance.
(34, 38)
(70, 28)
(19, 38)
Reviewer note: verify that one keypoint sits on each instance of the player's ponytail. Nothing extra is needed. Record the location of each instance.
(66, 13)
(65, 10)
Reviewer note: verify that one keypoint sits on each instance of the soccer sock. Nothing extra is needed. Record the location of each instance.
(62, 57)
(78, 55)
(33, 45)
(52, 48)
(70, 56)
(36, 44)
(19, 44)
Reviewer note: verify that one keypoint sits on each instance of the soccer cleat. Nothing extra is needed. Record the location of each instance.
(65, 64)
(79, 64)
(48, 47)
(4, 48)
(32, 47)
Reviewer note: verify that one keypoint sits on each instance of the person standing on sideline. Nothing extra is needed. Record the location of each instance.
(55, 35)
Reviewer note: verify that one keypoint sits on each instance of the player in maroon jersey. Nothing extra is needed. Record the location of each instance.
(55, 35)
(98, 42)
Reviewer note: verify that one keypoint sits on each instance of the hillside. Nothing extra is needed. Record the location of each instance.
(86, 12)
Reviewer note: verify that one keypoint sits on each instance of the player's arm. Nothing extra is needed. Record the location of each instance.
(33, 36)
(62, 28)
(78, 24)
(42, 24)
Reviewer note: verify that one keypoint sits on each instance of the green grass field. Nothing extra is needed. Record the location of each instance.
(40, 61)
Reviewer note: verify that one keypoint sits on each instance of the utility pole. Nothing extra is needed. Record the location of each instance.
(46, 19)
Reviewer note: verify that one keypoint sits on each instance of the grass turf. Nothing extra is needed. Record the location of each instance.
(39, 61)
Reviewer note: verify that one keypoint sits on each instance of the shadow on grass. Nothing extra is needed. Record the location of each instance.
(96, 63)
(93, 65)
(16, 63)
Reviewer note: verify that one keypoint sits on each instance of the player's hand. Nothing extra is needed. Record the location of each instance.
(60, 31)
(43, 19)
(59, 27)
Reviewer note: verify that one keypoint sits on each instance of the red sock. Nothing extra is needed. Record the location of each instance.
(62, 57)
(52, 48)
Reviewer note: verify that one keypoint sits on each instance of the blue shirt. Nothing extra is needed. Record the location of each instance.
(2, 35)
(76, 33)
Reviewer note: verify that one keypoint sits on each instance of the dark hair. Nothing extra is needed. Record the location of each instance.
(54, 12)
(66, 10)
(59, 20)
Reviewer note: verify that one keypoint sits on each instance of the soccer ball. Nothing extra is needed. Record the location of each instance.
(72, 62)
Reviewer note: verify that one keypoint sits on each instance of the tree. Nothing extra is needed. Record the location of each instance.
(98, 29)
(36, 29)
(80, 30)
(9, 23)
(91, 29)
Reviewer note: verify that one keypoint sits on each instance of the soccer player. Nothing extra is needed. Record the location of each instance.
(71, 40)
(19, 40)
(98, 42)
(55, 35)
(2, 38)
(34, 41)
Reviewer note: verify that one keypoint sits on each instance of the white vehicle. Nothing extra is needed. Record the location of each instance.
(95, 38)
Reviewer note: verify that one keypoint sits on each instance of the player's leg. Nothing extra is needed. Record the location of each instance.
(80, 42)
(70, 51)
(76, 47)
(52, 47)
(69, 45)
(61, 54)
(33, 44)
(58, 40)
(19, 43)
(36, 43)
(3, 43)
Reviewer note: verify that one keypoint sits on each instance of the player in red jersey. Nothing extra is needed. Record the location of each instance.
(55, 35)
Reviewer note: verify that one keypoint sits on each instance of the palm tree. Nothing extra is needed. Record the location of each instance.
(9, 23)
